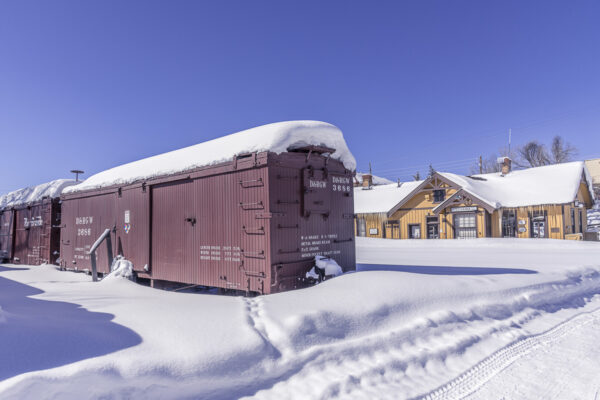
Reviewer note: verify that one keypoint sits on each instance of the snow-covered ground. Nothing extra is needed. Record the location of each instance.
(487, 318)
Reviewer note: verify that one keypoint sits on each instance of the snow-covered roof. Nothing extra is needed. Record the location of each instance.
(380, 199)
(550, 184)
(277, 138)
(35, 193)
(377, 180)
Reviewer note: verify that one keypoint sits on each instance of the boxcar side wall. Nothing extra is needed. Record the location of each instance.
(84, 219)
(312, 213)
(132, 225)
(209, 230)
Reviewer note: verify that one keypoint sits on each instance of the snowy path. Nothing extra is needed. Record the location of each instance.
(443, 319)
(475, 378)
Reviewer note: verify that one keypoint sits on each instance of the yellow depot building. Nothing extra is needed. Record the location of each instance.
(543, 202)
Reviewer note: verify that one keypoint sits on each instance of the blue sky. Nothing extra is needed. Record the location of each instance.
(94, 84)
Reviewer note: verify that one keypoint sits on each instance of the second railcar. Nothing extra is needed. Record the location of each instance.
(30, 224)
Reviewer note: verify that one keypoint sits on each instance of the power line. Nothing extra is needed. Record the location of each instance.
(444, 164)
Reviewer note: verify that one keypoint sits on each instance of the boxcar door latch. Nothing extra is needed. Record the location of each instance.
(191, 220)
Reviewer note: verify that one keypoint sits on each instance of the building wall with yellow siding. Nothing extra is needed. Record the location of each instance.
(421, 205)
(372, 221)
(557, 224)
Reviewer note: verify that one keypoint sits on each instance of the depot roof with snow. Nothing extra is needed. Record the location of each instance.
(551, 184)
(382, 198)
(35, 193)
(277, 138)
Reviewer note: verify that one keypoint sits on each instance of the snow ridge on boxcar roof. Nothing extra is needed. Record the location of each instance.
(277, 138)
(34, 193)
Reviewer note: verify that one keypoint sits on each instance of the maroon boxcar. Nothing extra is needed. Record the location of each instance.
(30, 224)
(254, 223)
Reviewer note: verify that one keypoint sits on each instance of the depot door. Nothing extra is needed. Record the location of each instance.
(362, 227)
(465, 226)
(433, 228)
(538, 225)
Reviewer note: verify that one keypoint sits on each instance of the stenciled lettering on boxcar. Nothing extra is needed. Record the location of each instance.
(31, 222)
(317, 184)
(341, 184)
(84, 221)
(220, 253)
(313, 245)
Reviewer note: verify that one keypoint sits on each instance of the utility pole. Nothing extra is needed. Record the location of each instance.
(76, 172)
(509, 140)
(480, 165)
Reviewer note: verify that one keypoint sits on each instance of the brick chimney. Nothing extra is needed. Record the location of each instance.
(367, 181)
(506, 164)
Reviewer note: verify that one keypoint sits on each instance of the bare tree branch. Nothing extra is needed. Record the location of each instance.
(534, 153)
(561, 151)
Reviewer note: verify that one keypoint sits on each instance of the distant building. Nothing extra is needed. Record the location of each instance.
(368, 180)
(543, 202)
(593, 167)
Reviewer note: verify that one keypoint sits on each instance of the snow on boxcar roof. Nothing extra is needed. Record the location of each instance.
(550, 184)
(34, 193)
(382, 198)
(277, 137)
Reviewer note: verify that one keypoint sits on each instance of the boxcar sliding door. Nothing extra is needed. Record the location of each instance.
(173, 226)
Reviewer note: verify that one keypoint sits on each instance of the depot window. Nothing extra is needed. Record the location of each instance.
(414, 231)
(439, 195)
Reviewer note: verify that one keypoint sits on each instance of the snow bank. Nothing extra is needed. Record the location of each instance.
(34, 193)
(381, 199)
(277, 138)
(121, 268)
(550, 184)
(326, 266)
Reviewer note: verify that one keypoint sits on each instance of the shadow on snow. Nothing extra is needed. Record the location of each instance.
(441, 270)
(40, 334)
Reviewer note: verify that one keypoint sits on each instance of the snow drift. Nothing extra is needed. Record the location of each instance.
(277, 138)
(121, 268)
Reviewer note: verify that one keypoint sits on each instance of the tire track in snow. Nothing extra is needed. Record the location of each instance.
(350, 369)
(472, 379)
(396, 362)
